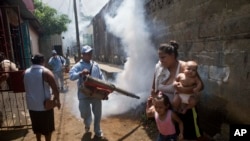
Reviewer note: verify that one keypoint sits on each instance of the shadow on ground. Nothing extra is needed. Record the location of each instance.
(148, 124)
(87, 137)
(8, 135)
(128, 134)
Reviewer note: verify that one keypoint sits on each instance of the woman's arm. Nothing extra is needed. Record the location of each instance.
(186, 90)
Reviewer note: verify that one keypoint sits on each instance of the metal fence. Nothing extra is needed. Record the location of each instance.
(13, 109)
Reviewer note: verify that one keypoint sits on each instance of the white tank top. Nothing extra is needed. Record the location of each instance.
(36, 89)
(169, 89)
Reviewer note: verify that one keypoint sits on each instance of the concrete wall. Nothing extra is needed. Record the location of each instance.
(215, 33)
(34, 38)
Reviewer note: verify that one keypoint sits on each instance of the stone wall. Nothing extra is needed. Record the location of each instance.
(215, 33)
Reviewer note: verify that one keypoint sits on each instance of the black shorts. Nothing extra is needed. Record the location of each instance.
(167, 138)
(42, 121)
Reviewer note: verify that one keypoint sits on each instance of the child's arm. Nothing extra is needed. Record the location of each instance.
(198, 86)
(175, 118)
(150, 110)
(180, 88)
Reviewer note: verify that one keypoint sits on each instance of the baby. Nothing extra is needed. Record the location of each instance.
(190, 81)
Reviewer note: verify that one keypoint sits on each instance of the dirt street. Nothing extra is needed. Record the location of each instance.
(69, 127)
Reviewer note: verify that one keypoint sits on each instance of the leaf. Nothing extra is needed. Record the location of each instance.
(49, 19)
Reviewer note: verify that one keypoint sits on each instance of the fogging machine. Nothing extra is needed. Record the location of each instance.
(98, 88)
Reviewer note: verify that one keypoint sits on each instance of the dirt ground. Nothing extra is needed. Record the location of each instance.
(69, 126)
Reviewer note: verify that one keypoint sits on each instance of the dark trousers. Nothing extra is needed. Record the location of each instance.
(167, 138)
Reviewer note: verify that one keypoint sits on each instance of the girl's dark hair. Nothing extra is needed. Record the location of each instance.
(37, 59)
(165, 99)
(170, 48)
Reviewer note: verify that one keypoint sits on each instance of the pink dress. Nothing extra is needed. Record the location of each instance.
(166, 127)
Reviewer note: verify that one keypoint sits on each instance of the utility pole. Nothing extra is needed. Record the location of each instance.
(77, 31)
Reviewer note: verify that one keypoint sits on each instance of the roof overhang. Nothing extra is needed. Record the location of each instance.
(26, 14)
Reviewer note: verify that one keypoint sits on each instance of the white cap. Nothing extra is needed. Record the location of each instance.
(54, 52)
(86, 49)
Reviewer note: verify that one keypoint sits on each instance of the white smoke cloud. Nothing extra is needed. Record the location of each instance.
(130, 26)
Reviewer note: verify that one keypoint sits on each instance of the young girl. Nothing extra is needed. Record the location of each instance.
(164, 118)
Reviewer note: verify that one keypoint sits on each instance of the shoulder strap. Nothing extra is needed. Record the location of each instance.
(60, 59)
(178, 69)
(90, 70)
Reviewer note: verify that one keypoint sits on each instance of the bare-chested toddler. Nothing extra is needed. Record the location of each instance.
(187, 80)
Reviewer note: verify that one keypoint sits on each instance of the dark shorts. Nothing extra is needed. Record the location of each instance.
(167, 138)
(42, 121)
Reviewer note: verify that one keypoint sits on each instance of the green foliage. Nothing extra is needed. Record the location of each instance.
(49, 19)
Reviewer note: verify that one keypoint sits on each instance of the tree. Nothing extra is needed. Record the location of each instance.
(49, 19)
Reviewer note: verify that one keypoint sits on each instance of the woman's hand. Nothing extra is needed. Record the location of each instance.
(196, 90)
(177, 84)
(181, 89)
